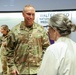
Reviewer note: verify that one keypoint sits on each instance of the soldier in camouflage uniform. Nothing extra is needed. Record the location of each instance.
(32, 40)
(7, 49)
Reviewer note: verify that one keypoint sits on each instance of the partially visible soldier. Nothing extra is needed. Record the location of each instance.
(7, 49)
(32, 41)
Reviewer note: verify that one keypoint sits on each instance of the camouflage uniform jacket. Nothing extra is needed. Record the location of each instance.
(8, 50)
(31, 43)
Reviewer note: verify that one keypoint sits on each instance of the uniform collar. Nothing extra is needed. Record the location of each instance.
(23, 26)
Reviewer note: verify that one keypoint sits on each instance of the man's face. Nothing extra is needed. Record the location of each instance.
(29, 16)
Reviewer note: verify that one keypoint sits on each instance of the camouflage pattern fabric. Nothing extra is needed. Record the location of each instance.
(4, 65)
(7, 52)
(31, 44)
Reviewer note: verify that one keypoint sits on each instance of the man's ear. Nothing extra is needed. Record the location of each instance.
(23, 14)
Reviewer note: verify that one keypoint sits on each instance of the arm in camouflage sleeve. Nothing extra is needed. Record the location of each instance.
(45, 40)
(10, 51)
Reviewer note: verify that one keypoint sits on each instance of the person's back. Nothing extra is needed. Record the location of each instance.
(65, 55)
(71, 51)
(60, 57)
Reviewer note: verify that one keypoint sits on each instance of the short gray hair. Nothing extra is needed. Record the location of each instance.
(27, 6)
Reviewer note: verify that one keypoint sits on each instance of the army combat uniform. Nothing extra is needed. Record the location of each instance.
(7, 51)
(31, 44)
